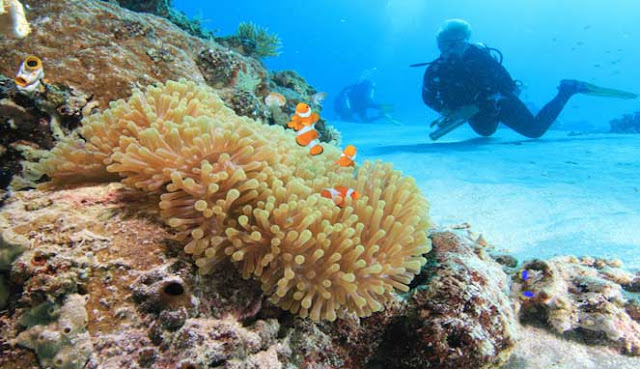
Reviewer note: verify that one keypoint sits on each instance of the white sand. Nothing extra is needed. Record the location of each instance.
(539, 349)
(561, 194)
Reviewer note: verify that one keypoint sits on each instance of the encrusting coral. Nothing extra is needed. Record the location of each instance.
(13, 21)
(238, 190)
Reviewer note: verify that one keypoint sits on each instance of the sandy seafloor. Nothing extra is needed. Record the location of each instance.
(564, 193)
(561, 194)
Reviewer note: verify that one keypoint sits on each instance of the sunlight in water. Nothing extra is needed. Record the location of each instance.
(405, 15)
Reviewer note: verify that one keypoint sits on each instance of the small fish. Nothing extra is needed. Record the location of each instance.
(303, 117)
(524, 275)
(308, 136)
(527, 294)
(275, 99)
(348, 157)
(318, 98)
(339, 194)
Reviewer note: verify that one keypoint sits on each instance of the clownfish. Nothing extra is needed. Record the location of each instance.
(339, 194)
(348, 157)
(275, 99)
(303, 117)
(308, 136)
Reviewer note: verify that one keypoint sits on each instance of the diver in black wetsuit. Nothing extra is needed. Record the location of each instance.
(468, 82)
(353, 102)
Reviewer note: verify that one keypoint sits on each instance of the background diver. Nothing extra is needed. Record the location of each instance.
(354, 102)
(467, 82)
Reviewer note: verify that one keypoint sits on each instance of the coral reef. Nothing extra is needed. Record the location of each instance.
(238, 189)
(13, 21)
(253, 41)
(457, 316)
(628, 123)
(64, 342)
(141, 307)
(291, 80)
(157, 7)
(163, 8)
(31, 123)
(98, 53)
(101, 49)
(239, 81)
(146, 306)
(593, 300)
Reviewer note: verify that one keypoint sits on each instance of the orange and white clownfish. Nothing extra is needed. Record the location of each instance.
(339, 194)
(308, 136)
(348, 157)
(303, 117)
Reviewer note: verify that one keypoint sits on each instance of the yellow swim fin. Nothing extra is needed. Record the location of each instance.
(593, 90)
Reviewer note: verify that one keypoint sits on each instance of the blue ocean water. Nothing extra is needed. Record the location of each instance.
(333, 43)
(563, 194)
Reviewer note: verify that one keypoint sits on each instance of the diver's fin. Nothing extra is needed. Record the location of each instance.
(593, 90)
(391, 119)
(445, 125)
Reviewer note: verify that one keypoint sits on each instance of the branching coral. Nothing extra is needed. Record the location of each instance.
(265, 44)
(237, 190)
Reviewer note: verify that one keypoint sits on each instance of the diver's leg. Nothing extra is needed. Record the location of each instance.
(484, 124)
(364, 116)
(515, 114)
(346, 116)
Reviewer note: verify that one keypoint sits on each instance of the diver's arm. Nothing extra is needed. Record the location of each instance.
(429, 91)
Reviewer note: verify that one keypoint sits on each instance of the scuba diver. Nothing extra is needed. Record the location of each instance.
(467, 82)
(354, 101)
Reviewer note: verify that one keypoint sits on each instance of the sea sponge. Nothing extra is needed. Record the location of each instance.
(13, 21)
(235, 189)
(63, 342)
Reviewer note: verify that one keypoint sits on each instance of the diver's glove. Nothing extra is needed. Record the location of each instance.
(451, 120)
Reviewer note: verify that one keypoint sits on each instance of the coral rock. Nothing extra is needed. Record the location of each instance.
(583, 297)
(458, 316)
(237, 189)
(102, 49)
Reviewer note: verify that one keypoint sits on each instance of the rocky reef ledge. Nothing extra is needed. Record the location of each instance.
(91, 279)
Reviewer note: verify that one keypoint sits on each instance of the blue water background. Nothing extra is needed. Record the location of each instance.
(332, 43)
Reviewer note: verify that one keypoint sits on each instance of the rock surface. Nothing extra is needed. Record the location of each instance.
(147, 307)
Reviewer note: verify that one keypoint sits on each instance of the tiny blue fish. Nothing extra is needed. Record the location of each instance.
(524, 275)
(527, 294)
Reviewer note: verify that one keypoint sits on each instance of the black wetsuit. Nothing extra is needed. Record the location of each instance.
(353, 101)
(477, 78)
